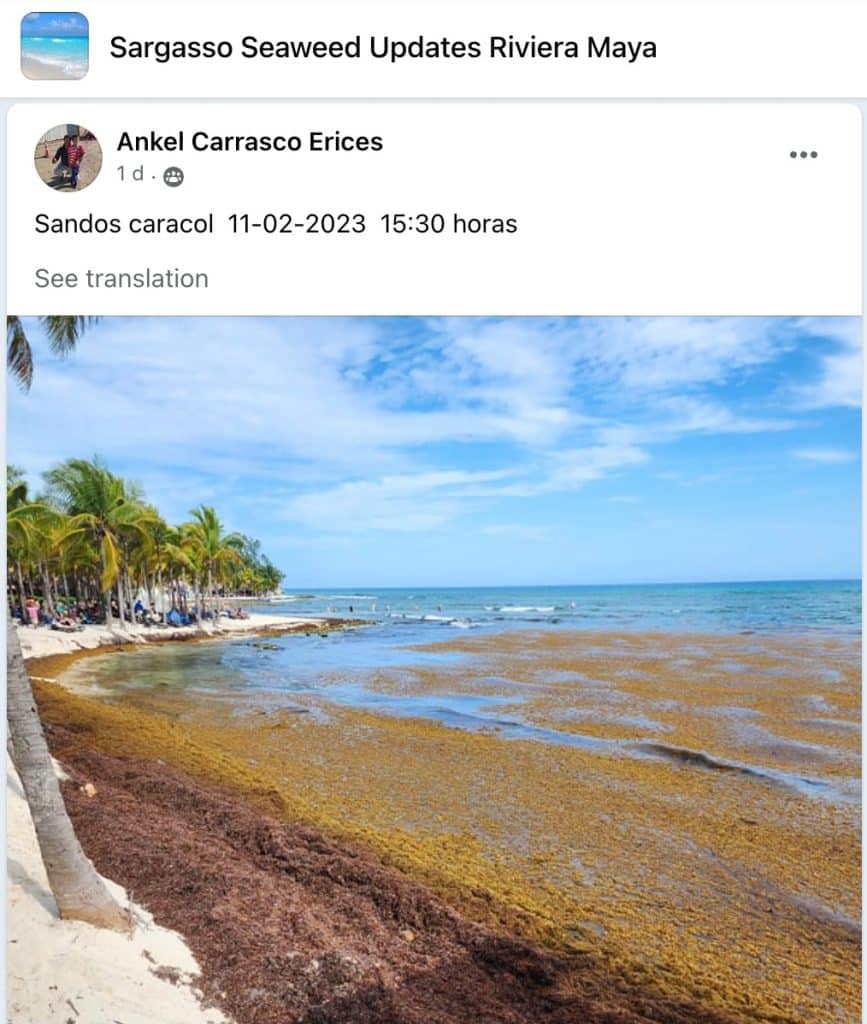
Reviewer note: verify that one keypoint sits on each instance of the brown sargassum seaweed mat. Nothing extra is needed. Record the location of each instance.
(289, 925)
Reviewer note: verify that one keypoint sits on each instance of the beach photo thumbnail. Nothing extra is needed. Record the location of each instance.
(435, 669)
(68, 157)
(54, 46)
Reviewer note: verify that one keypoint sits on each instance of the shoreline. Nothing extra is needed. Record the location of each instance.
(333, 777)
(94, 973)
(42, 642)
(40, 69)
(290, 924)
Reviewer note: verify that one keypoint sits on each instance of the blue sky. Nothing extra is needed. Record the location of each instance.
(440, 451)
(63, 24)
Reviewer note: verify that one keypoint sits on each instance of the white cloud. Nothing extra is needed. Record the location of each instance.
(405, 502)
(839, 384)
(354, 394)
(577, 466)
(402, 424)
(830, 456)
(840, 372)
(659, 354)
(518, 531)
(691, 415)
(336, 392)
(65, 24)
(424, 501)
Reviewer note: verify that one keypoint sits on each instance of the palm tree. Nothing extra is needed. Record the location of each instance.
(38, 533)
(23, 521)
(256, 574)
(146, 554)
(64, 333)
(218, 550)
(109, 511)
(165, 543)
(78, 890)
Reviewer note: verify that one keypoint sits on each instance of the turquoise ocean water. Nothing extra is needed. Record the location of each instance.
(68, 53)
(793, 607)
(313, 672)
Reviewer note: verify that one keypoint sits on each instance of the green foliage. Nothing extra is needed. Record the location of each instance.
(97, 526)
(63, 334)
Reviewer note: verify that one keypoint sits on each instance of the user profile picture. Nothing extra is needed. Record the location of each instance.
(68, 157)
(55, 46)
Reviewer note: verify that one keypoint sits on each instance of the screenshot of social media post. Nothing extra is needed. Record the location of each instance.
(433, 545)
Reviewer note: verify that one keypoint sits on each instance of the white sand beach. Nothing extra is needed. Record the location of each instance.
(41, 642)
(41, 70)
(59, 971)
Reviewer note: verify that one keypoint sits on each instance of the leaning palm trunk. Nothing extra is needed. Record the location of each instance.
(22, 599)
(120, 602)
(79, 891)
(130, 597)
(197, 600)
(46, 590)
(148, 585)
(106, 594)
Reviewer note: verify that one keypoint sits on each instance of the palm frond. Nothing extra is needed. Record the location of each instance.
(74, 526)
(16, 494)
(64, 332)
(109, 553)
(227, 557)
(28, 525)
(19, 356)
(180, 557)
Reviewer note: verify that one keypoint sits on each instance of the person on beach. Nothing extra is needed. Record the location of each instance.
(33, 612)
(75, 154)
(61, 157)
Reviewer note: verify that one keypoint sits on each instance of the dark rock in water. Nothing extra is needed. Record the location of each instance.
(290, 711)
(694, 757)
(263, 645)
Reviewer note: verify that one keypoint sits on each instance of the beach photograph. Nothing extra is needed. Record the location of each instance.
(68, 157)
(55, 46)
(434, 669)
